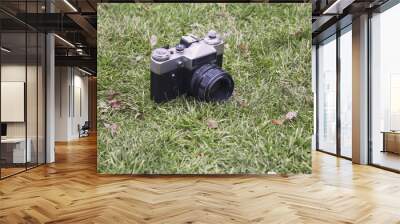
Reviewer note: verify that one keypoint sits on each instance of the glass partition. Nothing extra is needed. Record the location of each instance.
(327, 95)
(13, 94)
(385, 89)
(22, 101)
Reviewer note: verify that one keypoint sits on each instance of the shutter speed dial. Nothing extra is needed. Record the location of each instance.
(212, 38)
(160, 54)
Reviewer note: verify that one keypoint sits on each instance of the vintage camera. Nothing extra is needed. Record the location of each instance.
(193, 67)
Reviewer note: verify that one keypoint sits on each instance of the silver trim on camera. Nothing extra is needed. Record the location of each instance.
(167, 60)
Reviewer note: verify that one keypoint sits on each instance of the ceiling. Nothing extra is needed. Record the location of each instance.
(328, 16)
(73, 21)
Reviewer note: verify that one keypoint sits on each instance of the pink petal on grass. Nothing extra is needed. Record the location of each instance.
(112, 127)
(115, 104)
(291, 115)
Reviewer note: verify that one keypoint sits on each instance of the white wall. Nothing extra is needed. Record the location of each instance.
(62, 82)
(33, 126)
(70, 83)
(17, 73)
(81, 85)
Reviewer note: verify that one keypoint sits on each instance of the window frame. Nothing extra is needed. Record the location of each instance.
(30, 30)
(381, 9)
(338, 34)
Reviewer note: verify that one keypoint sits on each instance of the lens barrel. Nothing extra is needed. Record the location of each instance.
(211, 83)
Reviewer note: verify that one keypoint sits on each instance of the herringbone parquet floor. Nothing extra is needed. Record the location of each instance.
(70, 191)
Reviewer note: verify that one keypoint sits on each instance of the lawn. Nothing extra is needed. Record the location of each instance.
(268, 54)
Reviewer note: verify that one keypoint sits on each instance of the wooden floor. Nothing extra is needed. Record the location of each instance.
(387, 159)
(70, 191)
(5, 172)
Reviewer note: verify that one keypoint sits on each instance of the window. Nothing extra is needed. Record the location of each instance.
(385, 89)
(327, 95)
(346, 92)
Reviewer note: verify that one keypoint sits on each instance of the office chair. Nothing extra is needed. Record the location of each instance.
(84, 130)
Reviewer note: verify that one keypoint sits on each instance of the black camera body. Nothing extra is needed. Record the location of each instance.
(193, 68)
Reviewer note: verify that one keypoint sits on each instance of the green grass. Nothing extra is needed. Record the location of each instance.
(268, 53)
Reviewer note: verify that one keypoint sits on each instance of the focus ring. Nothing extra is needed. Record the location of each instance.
(197, 78)
(206, 80)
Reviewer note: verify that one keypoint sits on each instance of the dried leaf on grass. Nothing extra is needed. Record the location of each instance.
(139, 116)
(290, 116)
(244, 48)
(298, 33)
(242, 103)
(277, 122)
(212, 123)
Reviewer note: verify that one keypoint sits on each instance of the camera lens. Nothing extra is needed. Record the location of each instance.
(211, 83)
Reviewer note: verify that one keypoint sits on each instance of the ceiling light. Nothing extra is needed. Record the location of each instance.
(65, 41)
(5, 50)
(70, 5)
(80, 51)
(84, 71)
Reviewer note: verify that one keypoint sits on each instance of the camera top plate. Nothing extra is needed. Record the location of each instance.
(188, 40)
(164, 60)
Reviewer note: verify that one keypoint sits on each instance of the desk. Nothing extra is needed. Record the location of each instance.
(18, 150)
(391, 141)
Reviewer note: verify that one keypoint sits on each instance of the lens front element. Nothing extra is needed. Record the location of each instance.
(211, 83)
